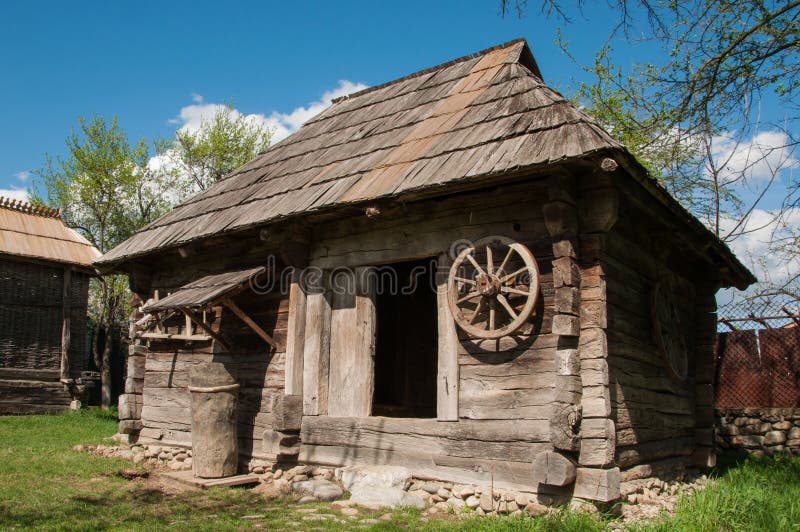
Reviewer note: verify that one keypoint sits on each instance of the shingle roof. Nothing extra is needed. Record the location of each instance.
(484, 114)
(38, 233)
(205, 290)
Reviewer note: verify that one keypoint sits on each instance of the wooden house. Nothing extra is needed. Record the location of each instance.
(457, 271)
(45, 269)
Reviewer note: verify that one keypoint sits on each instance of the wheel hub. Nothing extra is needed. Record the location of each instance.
(488, 285)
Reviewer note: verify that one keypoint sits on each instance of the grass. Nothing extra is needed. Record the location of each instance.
(749, 494)
(45, 485)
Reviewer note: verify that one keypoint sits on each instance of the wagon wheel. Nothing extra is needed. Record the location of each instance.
(668, 333)
(488, 300)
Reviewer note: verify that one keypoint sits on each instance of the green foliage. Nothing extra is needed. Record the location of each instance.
(225, 142)
(756, 494)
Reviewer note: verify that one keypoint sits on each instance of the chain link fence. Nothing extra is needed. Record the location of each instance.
(757, 354)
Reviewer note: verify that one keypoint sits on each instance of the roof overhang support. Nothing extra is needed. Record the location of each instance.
(200, 322)
(249, 322)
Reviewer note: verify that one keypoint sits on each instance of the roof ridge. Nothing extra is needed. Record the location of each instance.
(29, 208)
(428, 70)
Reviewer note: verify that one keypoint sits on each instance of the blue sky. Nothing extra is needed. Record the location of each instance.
(144, 61)
(159, 66)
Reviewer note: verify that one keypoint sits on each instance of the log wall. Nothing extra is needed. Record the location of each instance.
(654, 414)
(31, 322)
(505, 387)
(156, 405)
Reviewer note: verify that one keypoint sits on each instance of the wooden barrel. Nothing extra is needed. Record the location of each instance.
(215, 446)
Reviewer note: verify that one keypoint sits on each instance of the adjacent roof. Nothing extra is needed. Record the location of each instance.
(38, 233)
(483, 114)
(205, 290)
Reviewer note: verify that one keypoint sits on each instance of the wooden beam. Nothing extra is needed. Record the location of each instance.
(66, 295)
(184, 337)
(293, 376)
(447, 367)
(316, 350)
(249, 322)
(204, 326)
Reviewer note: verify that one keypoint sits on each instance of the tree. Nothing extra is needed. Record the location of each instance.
(105, 191)
(693, 114)
(225, 142)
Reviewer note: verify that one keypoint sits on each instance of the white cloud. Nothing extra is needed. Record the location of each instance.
(754, 245)
(757, 159)
(23, 176)
(19, 194)
(281, 124)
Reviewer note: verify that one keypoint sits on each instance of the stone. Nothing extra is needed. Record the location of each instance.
(443, 493)
(443, 506)
(422, 494)
(794, 433)
(299, 478)
(774, 437)
(435, 498)
(258, 470)
(349, 511)
(430, 487)
(535, 509)
(125, 454)
(180, 457)
(522, 500)
(323, 490)
(782, 425)
(307, 499)
(386, 517)
(369, 521)
(486, 502)
(456, 504)
(138, 458)
(466, 491)
(374, 476)
(277, 474)
(472, 502)
(384, 496)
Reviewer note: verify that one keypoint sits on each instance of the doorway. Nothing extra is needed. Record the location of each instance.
(406, 343)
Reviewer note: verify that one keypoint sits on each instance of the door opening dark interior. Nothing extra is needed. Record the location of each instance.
(406, 344)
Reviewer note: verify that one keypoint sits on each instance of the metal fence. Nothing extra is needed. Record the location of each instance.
(757, 355)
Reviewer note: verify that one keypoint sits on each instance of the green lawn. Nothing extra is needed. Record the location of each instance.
(46, 485)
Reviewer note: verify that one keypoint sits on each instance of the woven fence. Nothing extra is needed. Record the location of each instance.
(757, 356)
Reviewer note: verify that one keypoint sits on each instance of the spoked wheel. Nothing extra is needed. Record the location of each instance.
(493, 287)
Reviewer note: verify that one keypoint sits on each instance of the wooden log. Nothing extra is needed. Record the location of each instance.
(561, 219)
(288, 413)
(597, 484)
(447, 374)
(597, 452)
(295, 336)
(568, 363)
(566, 325)
(568, 300)
(599, 210)
(564, 425)
(657, 450)
(553, 469)
(215, 445)
(566, 272)
(316, 352)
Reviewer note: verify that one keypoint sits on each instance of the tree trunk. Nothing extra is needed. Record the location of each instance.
(105, 371)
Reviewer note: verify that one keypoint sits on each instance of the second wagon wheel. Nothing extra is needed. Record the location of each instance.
(493, 287)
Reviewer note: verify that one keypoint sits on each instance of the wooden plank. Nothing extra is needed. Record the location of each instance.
(316, 352)
(352, 347)
(447, 375)
(295, 336)
(66, 296)
(204, 326)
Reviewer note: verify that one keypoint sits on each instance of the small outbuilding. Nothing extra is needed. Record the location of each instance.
(45, 269)
(458, 272)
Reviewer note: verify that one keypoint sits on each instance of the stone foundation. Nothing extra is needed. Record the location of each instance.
(758, 431)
